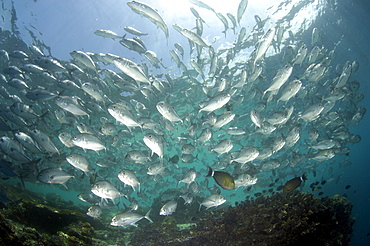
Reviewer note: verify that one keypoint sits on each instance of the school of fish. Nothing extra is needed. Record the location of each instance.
(117, 130)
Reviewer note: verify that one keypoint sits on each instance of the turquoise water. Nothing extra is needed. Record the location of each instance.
(59, 28)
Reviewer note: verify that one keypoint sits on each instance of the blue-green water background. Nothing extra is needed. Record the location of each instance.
(69, 25)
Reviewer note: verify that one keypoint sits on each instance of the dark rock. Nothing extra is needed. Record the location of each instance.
(283, 219)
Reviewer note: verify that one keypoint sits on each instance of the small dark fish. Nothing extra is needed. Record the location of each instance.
(223, 179)
(249, 188)
(276, 180)
(270, 190)
(323, 182)
(93, 178)
(280, 188)
(4, 199)
(293, 184)
(215, 190)
(257, 194)
(272, 184)
(319, 187)
(347, 187)
(7, 170)
(89, 198)
(338, 179)
(321, 193)
(174, 159)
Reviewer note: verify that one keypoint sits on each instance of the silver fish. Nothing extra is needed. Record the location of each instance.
(256, 118)
(292, 137)
(65, 138)
(241, 9)
(290, 90)
(167, 111)
(152, 57)
(150, 13)
(105, 190)
(49, 63)
(93, 90)
(129, 218)
(88, 141)
(156, 169)
(244, 180)
(71, 105)
(80, 162)
(245, 155)
(223, 119)
(188, 198)
(312, 112)
(280, 78)
(28, 142)
(277, 118)
(128, 177)
(189, 177)
(325, 144)
(223, 146)
(187, 149)
(205, 135)
(13, 149)
(134, 31)
(94, 211)
(264, 44)
(137, 156)
(168, 208)
(23, 110)
(133, 45)
(215, 103)
(44, 140)
(83, 58)
(121, 114)
(212, 201)
(131, 69)
(107, 34)
(54, 176)
(39, 94)
(154, 143)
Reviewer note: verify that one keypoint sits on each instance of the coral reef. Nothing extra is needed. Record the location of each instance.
(45, 221)
(283, 219)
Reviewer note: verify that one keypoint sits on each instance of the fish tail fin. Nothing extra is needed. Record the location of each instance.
(304, 177)
(210, 172)
(65, 186)
(147, 216)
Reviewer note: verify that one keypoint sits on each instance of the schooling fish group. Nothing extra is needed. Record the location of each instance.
(104, 121)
